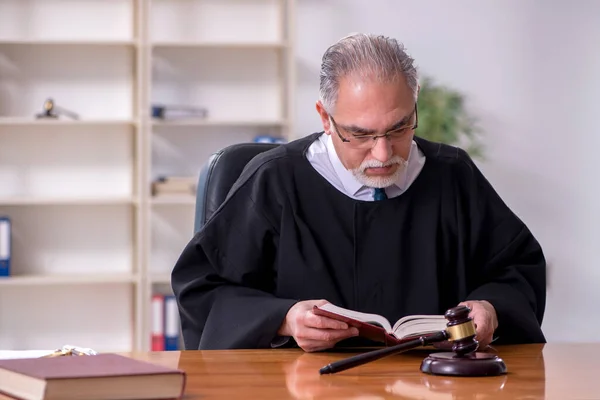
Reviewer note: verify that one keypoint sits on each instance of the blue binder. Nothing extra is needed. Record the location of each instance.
(171, 323)
(5, 246)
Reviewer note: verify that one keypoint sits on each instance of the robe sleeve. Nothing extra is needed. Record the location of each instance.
(224, 280)
(507, 266)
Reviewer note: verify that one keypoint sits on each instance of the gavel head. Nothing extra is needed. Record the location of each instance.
(461, 330)
(49, 108)
(48, 105)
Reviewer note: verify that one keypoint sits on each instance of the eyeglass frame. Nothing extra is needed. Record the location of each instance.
(375, 137)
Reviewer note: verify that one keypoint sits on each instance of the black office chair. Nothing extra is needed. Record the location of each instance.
(219, 174)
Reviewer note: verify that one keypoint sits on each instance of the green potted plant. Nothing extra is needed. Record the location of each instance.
(444, 118)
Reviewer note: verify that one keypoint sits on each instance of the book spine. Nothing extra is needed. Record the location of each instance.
(171, 323)
(175, 112)
(5, 246)
(158, 323)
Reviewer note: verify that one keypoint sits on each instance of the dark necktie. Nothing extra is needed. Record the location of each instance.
(379, 194)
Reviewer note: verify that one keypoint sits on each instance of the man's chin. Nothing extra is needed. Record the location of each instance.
(377, 181)
(379, 177)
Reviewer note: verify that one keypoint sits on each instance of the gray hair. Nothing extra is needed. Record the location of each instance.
(364, 56)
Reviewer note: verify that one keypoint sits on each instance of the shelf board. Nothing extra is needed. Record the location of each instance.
(50, 201)
(67, 42)
(173, 200)
(208, 122)
(32, 280)
(160, 279)
(22, 121)
(218, 45)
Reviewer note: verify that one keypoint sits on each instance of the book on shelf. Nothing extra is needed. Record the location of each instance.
(5, 246)
(170, 112)
(157, 340)
(102, 377)
(174, 186)
(165, 335)
(377, 328)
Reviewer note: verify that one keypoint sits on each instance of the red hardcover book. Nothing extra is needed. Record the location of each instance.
(158, 322)
(101, 377)
(377, 328)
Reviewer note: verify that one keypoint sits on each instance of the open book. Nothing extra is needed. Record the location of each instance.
(379, 329)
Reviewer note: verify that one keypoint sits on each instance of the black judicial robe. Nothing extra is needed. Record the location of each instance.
(285, 234)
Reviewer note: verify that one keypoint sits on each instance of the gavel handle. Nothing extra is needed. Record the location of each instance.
(364, 358)
(69, 113)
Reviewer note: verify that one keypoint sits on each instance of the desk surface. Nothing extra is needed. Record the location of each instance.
(551, 371)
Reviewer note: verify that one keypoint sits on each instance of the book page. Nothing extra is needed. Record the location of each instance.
(419, 326)
(407, 319)
(364, 317)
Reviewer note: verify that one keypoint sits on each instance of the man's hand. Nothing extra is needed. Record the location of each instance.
(313, 332)
(485, 319)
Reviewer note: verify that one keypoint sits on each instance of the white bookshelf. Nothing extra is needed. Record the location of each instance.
(61, 123)
(72, 188)
(88, 236)
(174, 201)
(68, 279)
(224, 122)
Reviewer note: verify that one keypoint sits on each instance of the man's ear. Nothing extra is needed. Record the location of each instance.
(324, 115)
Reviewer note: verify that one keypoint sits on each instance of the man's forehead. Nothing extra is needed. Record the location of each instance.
(361, 82)
(360, 93)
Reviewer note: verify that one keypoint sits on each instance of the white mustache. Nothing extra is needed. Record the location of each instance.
(378, 164)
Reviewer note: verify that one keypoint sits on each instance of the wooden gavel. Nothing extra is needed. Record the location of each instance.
(462, 361)
(51, 110)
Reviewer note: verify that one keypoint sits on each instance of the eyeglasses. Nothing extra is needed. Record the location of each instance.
(367, 140)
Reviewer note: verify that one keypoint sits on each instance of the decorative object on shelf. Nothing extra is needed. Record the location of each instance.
(51, 110)
(5, 246)
(68, 350)
(174, 186)
(268, 139)
(160, 111)
(444, 118)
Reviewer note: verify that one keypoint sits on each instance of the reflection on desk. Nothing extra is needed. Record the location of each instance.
(552, 371)
(403, 381)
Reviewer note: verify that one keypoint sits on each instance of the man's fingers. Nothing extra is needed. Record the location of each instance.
(485, 320)
(320, 303)
(483, 340)
(479, 321)
(316, 321)
(311, 339)
(483, 330)
(326, 335)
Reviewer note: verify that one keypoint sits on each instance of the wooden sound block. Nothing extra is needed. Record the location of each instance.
(474, 364)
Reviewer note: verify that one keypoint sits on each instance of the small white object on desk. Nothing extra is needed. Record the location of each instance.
(65, 350)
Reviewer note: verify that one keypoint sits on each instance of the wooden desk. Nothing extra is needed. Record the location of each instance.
(551, 371)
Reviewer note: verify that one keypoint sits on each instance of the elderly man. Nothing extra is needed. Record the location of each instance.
(365, 215)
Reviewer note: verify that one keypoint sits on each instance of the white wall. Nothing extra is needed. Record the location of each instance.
(530, 71)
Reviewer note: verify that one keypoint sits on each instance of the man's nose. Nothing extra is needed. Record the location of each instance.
(382, 149)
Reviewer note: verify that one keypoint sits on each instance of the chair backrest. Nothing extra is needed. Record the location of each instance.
(219, 174)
